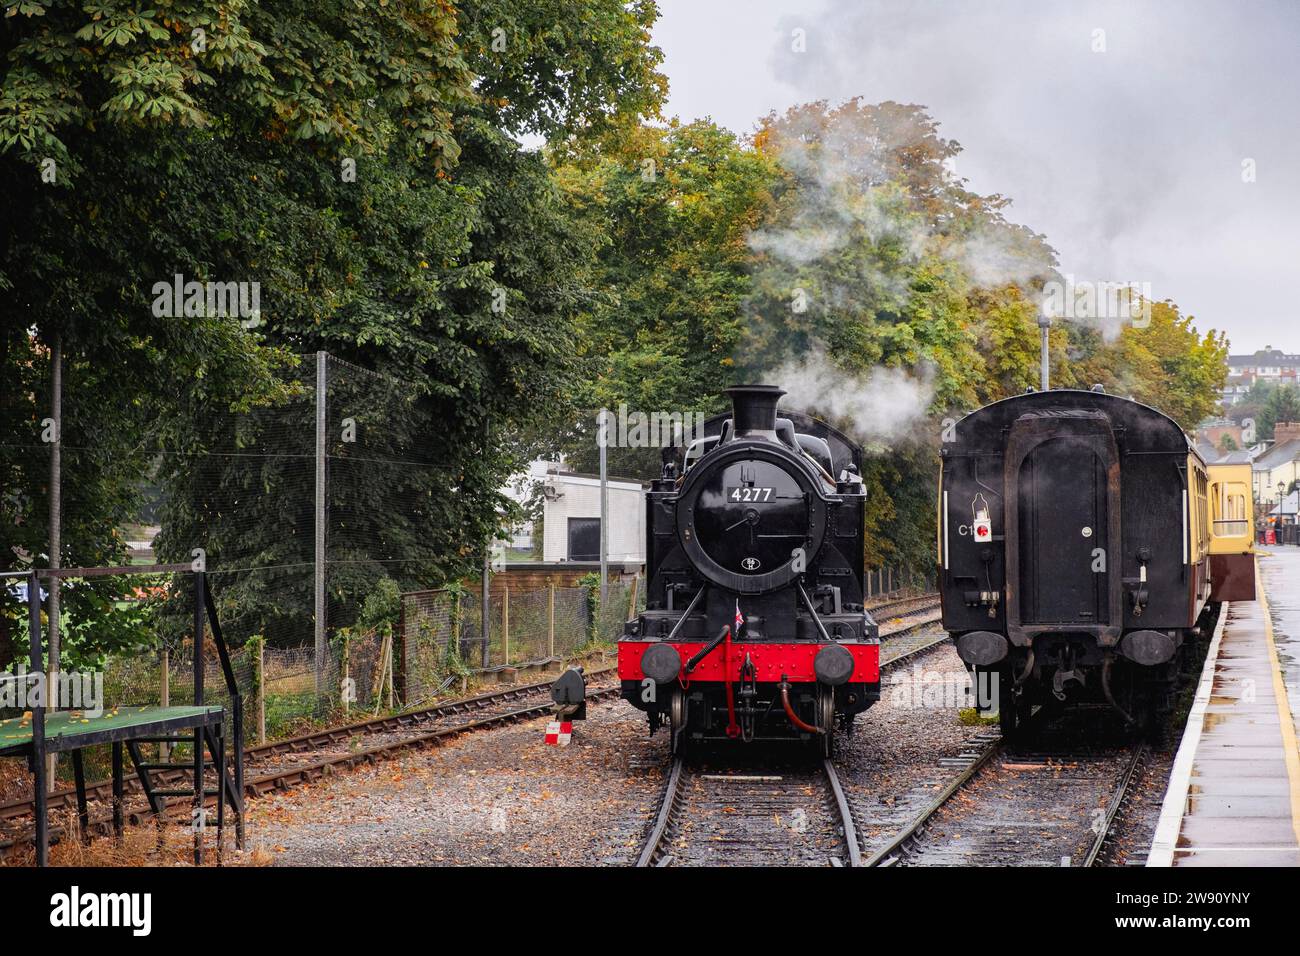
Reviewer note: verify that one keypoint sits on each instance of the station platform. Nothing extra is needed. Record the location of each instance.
(1234, 791)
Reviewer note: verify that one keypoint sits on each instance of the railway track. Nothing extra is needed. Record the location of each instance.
(792, 816)
(1019, 806)
(903, 607)
(284, 764)
(797, 815)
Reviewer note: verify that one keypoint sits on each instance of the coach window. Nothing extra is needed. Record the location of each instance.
(1231, 517)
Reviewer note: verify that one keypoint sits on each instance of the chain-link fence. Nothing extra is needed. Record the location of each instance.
(442, 635)
(883, 583)
(310, 511)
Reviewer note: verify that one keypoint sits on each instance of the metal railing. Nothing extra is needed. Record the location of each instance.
(1231, 527)
(204, 614)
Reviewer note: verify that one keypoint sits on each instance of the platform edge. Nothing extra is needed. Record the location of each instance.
(1174, 806)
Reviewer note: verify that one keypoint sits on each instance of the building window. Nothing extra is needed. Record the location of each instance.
(584, 539)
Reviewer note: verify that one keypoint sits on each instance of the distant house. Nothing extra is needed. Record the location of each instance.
(1211, 434)
(520, 488)
(571, 518)
(1285, 510)
(1266, 365)
(1275, 470)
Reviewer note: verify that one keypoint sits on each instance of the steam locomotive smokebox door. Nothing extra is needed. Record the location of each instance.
(1065, 489)
(570, 694)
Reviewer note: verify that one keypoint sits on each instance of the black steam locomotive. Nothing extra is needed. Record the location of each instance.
(754, 627)
(1081, 537)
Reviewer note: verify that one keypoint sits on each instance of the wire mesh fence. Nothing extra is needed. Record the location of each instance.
(895, 582)
(311, 512)
(442, 636)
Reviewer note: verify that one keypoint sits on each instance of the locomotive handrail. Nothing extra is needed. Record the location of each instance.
(821, 628)
(681, 621)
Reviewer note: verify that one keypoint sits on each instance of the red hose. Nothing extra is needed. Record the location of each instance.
(789, 711)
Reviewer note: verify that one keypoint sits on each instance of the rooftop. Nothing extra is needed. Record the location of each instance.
(1263, 357)
(1278, 454)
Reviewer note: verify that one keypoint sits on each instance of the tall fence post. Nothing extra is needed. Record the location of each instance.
(399, 652)
(260, 688)
(56, 526)
(485, 599)
(505, 625)
(322, 651)
(165, 698)
(550, 621)
(392, 654)
(603, 432)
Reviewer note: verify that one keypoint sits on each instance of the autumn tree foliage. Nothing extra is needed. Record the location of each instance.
(841, 233)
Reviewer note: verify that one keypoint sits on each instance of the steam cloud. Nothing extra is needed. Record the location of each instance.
(842, 179)
(876, 408)
(843, 196)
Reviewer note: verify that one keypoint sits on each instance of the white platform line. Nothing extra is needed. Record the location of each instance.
(1231, 849)
(1180, 777)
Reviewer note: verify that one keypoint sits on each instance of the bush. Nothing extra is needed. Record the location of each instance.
(381, 606)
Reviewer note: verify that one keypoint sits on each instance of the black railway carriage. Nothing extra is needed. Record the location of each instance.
(1074, 548)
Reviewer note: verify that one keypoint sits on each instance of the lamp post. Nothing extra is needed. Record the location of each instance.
(1044, 325)
(603, 432)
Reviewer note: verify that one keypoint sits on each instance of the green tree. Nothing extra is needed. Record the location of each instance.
(670, 214)
(1282, 405)
(1164, 362)
(448, 259)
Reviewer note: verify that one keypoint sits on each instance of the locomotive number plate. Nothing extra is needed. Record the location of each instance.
(751, 495)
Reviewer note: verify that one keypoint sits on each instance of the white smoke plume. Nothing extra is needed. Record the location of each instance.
(877, 408)
(842, 179)
(843, 196)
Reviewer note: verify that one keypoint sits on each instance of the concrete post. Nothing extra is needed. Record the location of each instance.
(322, 649)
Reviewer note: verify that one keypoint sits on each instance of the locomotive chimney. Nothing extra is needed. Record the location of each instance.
(753, 412)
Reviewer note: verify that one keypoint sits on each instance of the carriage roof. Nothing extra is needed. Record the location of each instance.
(1141, 428)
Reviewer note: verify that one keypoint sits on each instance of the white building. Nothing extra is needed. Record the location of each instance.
(1266, 365)
(571, 519)
(519, 488)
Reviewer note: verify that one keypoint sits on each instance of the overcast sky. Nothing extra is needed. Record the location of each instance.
(1129, 160)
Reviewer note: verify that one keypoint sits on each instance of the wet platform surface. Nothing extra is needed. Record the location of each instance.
(1236, 779)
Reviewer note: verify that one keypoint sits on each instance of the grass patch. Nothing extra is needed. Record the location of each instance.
(971, 717)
